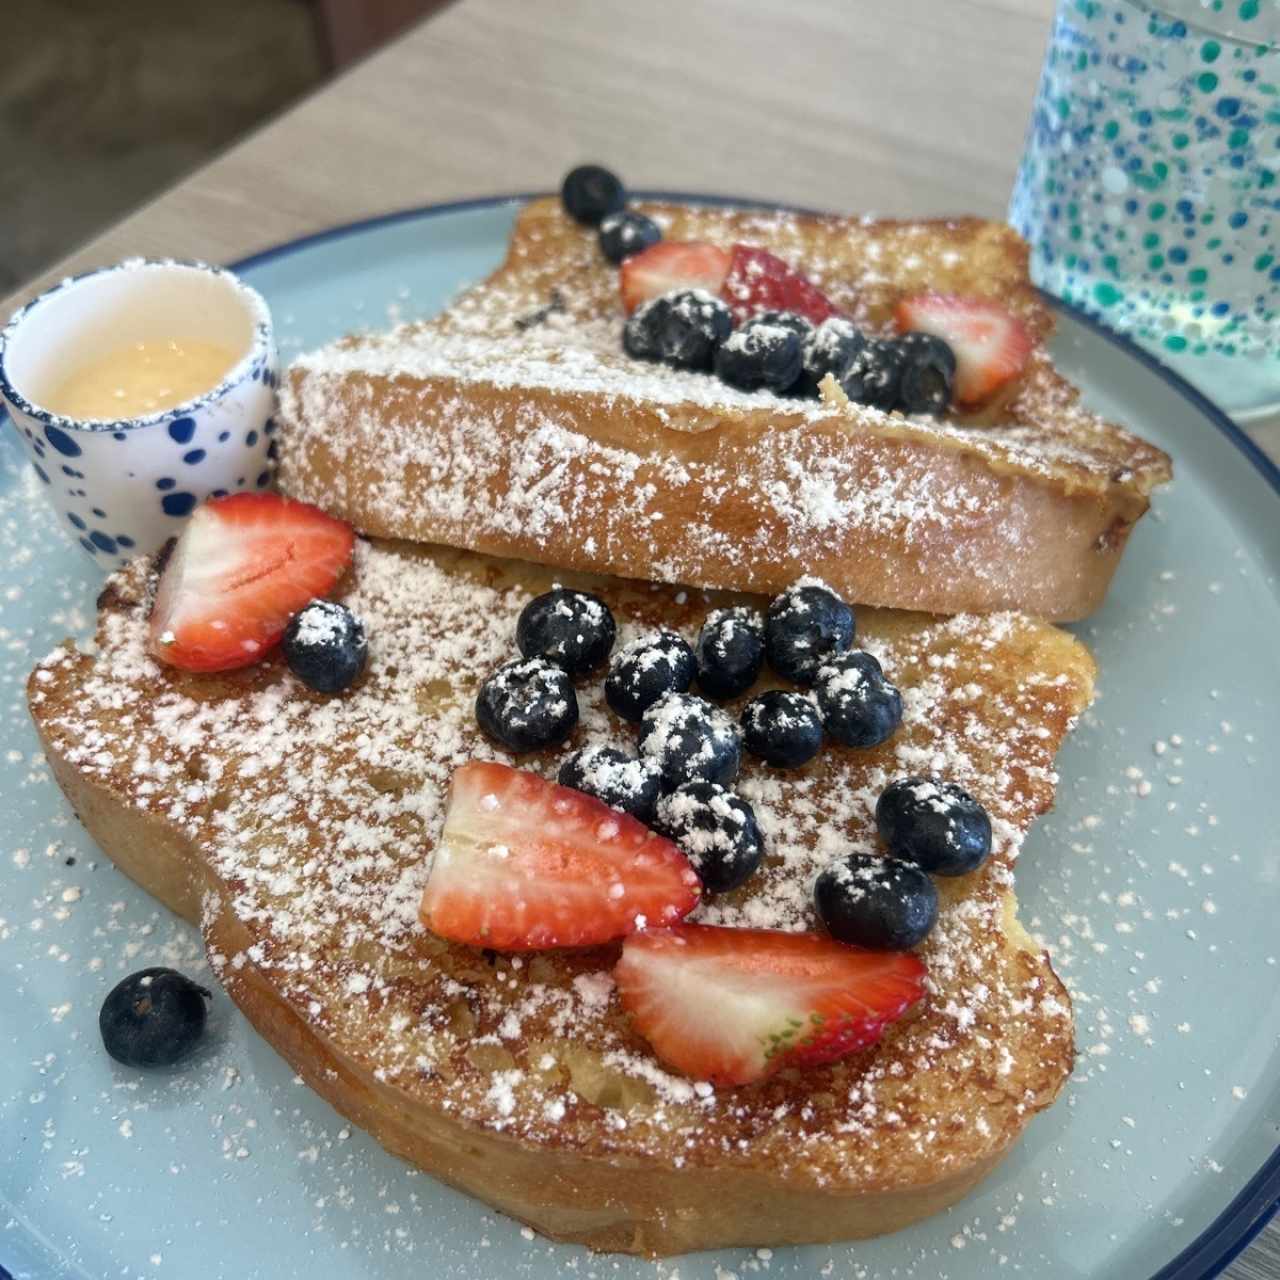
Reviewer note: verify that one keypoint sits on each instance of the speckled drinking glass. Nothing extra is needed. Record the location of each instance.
(1150, 184)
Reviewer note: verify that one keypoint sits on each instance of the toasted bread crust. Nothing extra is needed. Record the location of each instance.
(545, 443)
(299, 828)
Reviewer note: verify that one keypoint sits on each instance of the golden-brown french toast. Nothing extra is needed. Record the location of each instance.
(298, 829)
(515, 425)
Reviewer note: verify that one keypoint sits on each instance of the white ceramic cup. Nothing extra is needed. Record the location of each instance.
(123, 488)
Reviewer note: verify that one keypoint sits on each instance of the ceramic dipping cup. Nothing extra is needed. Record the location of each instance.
(124, 487)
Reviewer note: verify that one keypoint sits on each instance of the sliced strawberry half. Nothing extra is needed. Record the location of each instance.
(242, 567)
(524, 865)
(991, 345)
(672, 264)
(760, 281)
(735, 1005)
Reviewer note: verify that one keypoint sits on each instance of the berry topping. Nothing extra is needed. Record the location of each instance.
(154, 1018)
(614, 778)
(683, 329)
(735, 1005)
(527, 704)
(860, 708)
(874, 374)
(760, 353)
(645, 670)
(878, 903)
(759, 281)
(782, 728)
(730, 652)
(716, 830)
(325, 646)
(691, 739)
(935, 824)
(239, 571)
(590, 192)
(829, 349)
(990, 345)
(805, 626)
(573, 629)
(928, 371)
(525, 865)
(671, 265)
(626, 233)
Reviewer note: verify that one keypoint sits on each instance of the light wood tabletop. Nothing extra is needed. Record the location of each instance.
(912, 108)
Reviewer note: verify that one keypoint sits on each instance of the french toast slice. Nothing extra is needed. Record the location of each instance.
(513, 424)
(298, 829)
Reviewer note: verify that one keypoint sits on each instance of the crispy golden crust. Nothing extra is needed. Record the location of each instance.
(303, 827)
(546, 443)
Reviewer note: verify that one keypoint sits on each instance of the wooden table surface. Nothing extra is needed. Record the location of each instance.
(911, 108)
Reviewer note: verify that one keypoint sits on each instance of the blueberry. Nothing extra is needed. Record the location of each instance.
(805, 626)
(619, 780)
(928, 372)
(878, 903)
(800, 325)
(625, 233)
(647, 668)
(590, 192)
(527, 704)
(716, 830)
(691, 740)
(325, 646)
(782, 728)
(760, 353)
(829, 349)
(860, 708)
(730, 652)
(573, 629)
(873, 375)
(935, 824)
(154, 1018)
(682, 328)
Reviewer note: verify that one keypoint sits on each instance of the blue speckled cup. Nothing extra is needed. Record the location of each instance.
(124, 487)
(1150, 184)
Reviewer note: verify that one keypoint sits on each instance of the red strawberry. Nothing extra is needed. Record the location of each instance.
(735, 1005)
(672, 264)
(524, 865)
(990, 344)
(759, 281)
(243, 566)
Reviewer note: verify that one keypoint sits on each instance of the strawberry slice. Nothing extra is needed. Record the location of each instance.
(760, 281)
(242, 567)
(990, 344)
(524, 865)
(735, 1005)
(672, 264)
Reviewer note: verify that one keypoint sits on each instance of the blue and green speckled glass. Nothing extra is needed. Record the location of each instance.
(1150, 184)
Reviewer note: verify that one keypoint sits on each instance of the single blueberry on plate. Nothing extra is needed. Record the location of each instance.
(589, 192)
(573, 629)
(650, 666)
(691, 739)
(716, 830)
(325, 646)
(935, 824)
(782, 728)
(612, 776)
(527, 704)
(153, 1018)
(859, 707)
(730, 652)
(804, 627)
(878, 903)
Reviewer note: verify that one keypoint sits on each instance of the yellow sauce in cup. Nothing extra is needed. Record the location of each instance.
(140, 379)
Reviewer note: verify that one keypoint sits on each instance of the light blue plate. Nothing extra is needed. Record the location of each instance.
(1156, 884)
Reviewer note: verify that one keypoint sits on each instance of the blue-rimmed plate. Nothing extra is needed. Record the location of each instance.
(1156, 884)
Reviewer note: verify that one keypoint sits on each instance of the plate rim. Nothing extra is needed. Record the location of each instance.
(1253, 1207)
